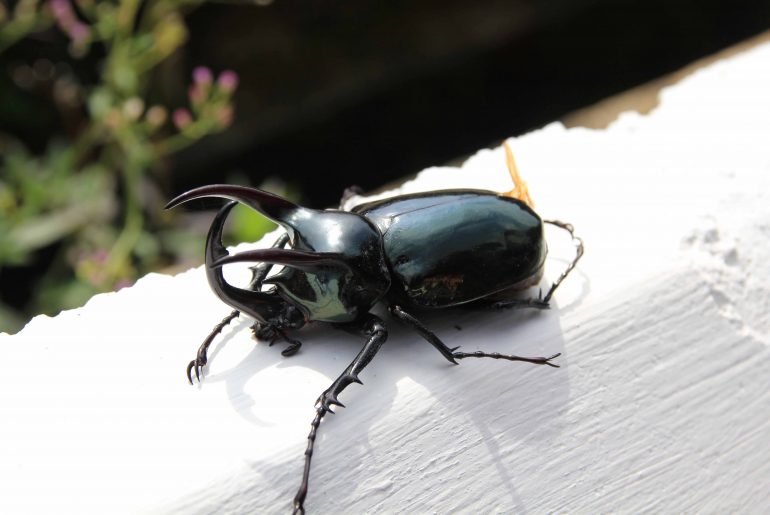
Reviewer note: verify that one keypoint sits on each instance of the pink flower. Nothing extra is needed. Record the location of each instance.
(79, 32)
(228, 81)
(68, 22)
(61, 9)
(202, 75)
(181, 118)
(100, 255)
(196, 94)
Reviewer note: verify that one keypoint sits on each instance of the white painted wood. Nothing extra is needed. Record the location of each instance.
(662, 403)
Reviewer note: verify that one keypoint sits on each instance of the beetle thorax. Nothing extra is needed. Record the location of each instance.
(351, 283)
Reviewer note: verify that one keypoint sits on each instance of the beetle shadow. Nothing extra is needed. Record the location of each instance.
(503, 413)
(513, 415)
(503, 401)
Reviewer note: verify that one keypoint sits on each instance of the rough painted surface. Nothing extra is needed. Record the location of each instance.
(662, 403)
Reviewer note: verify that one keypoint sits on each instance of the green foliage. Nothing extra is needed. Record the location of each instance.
(93, 197)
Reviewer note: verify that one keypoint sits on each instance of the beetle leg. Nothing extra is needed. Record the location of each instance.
(259, 273)
(543, 302)
(497, 355)
(450, 353)
(426, 333)
(537, 303)
(202, 358)
(374, 329)
(293, 347)
(579, 249)
(272, 333)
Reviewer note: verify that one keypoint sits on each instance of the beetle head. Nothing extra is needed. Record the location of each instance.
(334, 272)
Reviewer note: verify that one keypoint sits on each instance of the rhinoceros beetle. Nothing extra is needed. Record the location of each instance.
(415, 252)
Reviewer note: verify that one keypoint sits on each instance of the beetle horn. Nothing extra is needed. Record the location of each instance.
(272, 206)
(260, 305)
(302, 260)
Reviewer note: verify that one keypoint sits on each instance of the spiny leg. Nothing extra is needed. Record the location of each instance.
(579, 249)
(374, 329)
(426, 333)
(202, 357)
(258, 274)
(497, 355)
(272, 334)
(451, 354)
(543, 302)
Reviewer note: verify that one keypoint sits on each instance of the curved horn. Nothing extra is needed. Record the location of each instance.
(272, 206)
(306, 261)
(260, 305)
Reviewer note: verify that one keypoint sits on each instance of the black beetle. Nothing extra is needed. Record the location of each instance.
(421, 251)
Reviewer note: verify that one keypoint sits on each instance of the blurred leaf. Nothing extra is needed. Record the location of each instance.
(248, 225)
(42, 230)
(10, 320)
(83, 213)
(100, 102)
(53, 295)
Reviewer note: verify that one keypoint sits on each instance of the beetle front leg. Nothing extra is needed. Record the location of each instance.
(258, 274)
(272, 333)
(202, 357)
(374, 329)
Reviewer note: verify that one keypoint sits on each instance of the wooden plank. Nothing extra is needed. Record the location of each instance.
(662, 403)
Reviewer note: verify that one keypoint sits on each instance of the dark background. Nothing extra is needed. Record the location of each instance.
(337, 93)
(341, 93)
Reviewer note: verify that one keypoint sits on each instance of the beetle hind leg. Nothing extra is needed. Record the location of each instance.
(508, 357)
(451, 354)
(579, 249)
(542, 302)
(426, 333)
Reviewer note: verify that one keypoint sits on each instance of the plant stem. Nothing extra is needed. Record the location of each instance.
(132, 227)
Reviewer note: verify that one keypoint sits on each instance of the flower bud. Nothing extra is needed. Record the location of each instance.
(202, 75)
(156, 116)
(181, 118)
(227, 81)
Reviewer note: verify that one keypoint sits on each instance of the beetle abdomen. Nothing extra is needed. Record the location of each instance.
(451, 247)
